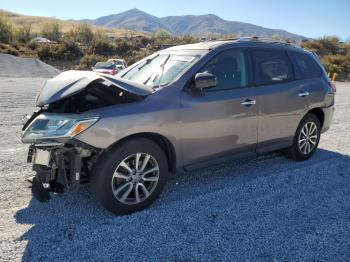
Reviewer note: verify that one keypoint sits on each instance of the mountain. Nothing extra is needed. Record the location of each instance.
(199, 25)
(133, 20)
(37, 23)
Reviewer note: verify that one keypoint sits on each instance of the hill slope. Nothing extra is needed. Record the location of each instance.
(37, 23)
(133, 20)
(138, 20)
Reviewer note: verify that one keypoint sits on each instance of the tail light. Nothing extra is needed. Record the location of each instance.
(332, 86)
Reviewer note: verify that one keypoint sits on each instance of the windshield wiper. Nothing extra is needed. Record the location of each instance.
(147, 62)
(147, 79)
(161, 74)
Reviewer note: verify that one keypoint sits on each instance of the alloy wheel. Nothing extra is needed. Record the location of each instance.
(135, 178)
(308, 138)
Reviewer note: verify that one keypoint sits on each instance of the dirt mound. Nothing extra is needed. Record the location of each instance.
(14, 66)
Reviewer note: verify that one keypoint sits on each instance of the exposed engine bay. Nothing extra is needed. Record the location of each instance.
(97, 94)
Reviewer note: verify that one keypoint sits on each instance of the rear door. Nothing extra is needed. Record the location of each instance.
(220, 121)
(308, 69)
(282, 99)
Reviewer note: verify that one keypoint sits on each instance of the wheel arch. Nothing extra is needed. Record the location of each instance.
(163, 142)
(318, 112)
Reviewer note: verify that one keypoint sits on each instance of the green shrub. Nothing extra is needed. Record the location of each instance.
(5, 31)
(88, 61)
(52, 31)
(334, 55)
(67, 51)
(48, 52)
(137, 55)
(70, 51)
(22, 33)
(124, 47)
(102, 47)
(162, 34)
(339, 64)
(330, 44)
(83, 34)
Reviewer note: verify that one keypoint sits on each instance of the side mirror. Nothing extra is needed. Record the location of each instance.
(205, 80)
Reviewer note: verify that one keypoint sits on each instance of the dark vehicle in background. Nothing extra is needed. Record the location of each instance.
(181, 108)
(105, 68)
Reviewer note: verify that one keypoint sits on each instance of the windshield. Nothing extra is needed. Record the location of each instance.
(160, 70)
(102, 65)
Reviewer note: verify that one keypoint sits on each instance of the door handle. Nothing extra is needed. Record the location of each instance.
(248, 102)
(303, 94)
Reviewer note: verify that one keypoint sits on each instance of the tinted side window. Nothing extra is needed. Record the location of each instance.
(272, 66)
(230, 69)
(307, 66)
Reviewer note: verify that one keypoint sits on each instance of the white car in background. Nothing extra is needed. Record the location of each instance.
(105, 68)
(119, 63)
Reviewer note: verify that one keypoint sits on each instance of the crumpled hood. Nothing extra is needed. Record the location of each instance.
(71, 82)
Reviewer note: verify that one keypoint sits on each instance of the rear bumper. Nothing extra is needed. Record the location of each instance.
(328, 116)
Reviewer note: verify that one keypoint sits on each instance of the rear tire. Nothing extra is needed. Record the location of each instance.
(306, 138)
(130, 177)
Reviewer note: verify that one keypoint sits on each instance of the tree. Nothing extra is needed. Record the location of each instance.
(162, 34)
(330, 44)
(84, 34)
(52, 31)
(101, 47)
(22, 33)
(5, 31)
(124, 47)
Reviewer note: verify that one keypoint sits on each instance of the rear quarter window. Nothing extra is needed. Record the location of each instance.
(306, 65)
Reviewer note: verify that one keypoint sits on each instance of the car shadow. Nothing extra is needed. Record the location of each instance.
(241, 209)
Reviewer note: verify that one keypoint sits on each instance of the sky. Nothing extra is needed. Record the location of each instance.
(311, 18)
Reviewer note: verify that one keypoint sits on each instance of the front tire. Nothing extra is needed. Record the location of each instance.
(130, 177)
(306, 138)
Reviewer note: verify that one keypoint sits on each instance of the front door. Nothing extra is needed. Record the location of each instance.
(222, 120)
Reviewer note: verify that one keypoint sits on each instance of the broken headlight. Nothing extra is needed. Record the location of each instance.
(53, 126)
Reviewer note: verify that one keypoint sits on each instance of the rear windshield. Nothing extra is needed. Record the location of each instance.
(103, 65)
(306, 65)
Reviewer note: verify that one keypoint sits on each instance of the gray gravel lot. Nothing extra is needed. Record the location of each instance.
(14, 66)
(265, 209)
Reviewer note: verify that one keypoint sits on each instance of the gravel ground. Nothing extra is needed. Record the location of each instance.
(14, 66)
(265, 209)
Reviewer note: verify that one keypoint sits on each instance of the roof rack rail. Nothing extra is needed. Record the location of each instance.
(259, 40)
(241, 39)
(264, 40)
(249, 38)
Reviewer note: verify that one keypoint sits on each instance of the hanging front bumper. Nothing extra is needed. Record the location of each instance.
(58, 169)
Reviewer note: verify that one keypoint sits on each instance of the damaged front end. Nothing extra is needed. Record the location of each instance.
(60, 161)
(69, 105)
(59, 168)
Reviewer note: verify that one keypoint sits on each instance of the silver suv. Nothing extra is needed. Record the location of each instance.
(180, 108)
